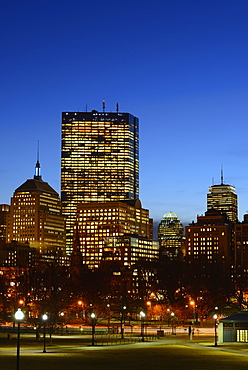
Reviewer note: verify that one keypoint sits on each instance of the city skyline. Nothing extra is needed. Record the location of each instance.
(180, 67)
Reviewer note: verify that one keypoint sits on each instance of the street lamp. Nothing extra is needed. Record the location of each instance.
(122, 317)
(192, 303)
(172, 328)
(44, 318)
(215, 329)
(93, 323)
(19, 315)
(108, 307)
(142, 316)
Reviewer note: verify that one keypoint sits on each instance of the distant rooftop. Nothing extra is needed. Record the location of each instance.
(38, 185)
(170, 215)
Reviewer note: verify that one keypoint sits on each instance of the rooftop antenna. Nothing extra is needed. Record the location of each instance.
(37, 167)
(212, 181)
(86, 108)
(221, 175)
(117, 107)
(103, 106)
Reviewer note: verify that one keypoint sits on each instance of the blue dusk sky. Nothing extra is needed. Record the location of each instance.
(181, 66)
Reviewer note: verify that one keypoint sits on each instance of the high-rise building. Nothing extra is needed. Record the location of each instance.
(171, 236)
(223, 197)
(35, 215)
(100, 161)
(115, 231)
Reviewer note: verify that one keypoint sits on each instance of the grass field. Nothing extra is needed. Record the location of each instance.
(76, 353)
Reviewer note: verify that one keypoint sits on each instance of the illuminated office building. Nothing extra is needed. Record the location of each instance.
(210, 238)
(171, 236)
(36, 216)
(99, 161)
(223, 197)
(115, 231)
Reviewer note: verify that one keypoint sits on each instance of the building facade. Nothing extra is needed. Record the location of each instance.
(210, 238)
(240, 265)
(35, 216)
(99, 161)
(115, 231)
(223, 197)
(171, 236)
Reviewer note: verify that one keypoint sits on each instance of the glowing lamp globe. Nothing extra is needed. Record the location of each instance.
(19, 315)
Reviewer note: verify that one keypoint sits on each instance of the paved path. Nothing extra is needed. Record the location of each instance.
(169, 353)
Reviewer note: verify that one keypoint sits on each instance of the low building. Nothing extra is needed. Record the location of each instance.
(234, 328)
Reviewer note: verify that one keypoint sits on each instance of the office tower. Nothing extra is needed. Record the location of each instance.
(36, 215)
(115, 231)
(171, 236)
(100, 161)
(210, 238)
(223, 197)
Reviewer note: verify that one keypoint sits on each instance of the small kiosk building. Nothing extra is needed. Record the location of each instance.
(234, 328)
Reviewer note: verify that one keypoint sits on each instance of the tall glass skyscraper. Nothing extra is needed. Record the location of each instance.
(99, 161)
(223, 197)
(171, 236)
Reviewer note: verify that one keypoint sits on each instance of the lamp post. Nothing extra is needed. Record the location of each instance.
(172, 327)
(142, 316)
(44, 318)
(108, 308)
(93, 323)
(122, 317)
(215, 329)
(19, 315)
(192, 303)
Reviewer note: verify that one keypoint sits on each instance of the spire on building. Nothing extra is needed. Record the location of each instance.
(37, 166)
(221, 176)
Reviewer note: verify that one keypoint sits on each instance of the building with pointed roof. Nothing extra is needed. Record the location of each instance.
(35, 215)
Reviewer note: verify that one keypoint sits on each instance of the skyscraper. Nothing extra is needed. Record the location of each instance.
(223, 197)
(100, 161)
(35, 215)
(171, 236)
